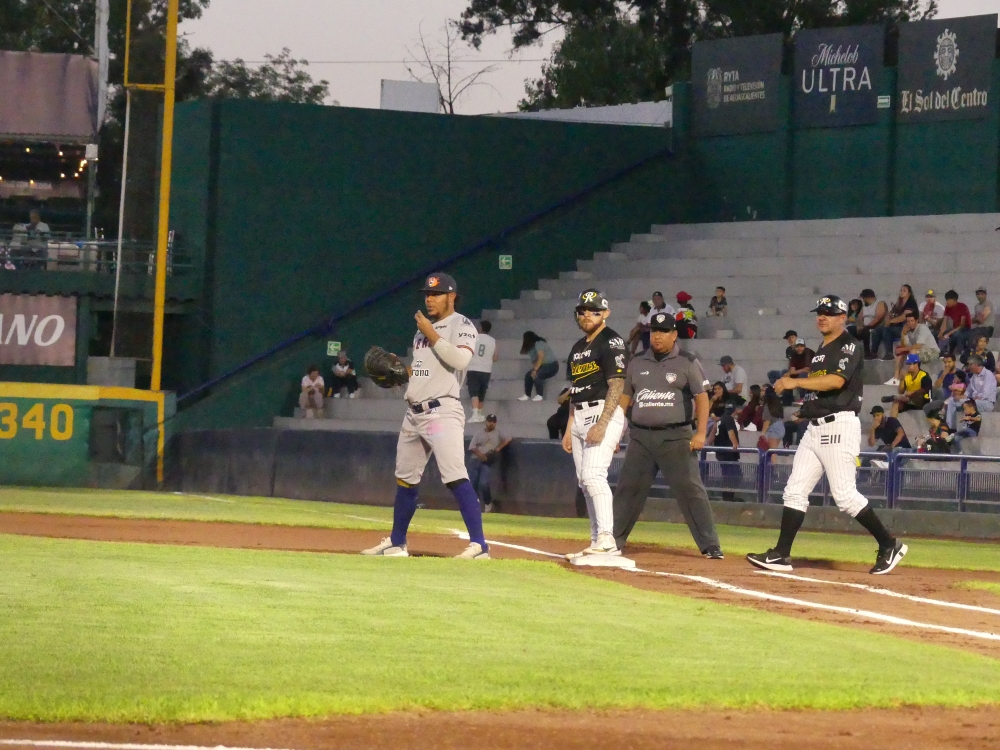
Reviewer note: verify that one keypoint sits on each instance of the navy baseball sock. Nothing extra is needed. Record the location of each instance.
(870, 521)
(402, 512)
(468, 505)
(791, 521)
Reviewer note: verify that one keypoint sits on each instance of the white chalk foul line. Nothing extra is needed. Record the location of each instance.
(885, 592)
(862, 613)
(465, 535)
(116, 746)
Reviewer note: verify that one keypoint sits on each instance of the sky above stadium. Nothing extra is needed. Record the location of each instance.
(354, 44)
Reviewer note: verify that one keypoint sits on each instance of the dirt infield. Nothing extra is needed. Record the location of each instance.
(908, 727)
(896, 729)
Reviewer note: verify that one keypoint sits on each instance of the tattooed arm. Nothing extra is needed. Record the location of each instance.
(595, 435)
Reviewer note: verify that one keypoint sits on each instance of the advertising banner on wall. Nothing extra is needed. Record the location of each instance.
(837, 76)
(37, 330)
(945, 68)
(734, 83)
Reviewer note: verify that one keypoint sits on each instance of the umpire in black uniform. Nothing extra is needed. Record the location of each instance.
(666, 390)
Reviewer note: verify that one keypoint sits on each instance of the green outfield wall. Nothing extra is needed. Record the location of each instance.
(297, 212)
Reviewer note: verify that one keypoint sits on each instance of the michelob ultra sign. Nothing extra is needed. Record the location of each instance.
(945, 68)
(838, 76)
(37, 330)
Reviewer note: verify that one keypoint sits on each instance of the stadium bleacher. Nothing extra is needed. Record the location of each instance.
(773, 273)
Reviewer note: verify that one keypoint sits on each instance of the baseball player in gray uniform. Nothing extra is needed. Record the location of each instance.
(666, 390)
(435, 420)
(832, 442)
(596, 420)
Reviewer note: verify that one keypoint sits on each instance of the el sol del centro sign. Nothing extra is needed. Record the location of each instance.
(37, 330)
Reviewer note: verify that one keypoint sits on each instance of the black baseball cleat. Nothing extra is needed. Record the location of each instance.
(771, 560)
(888, 559)
(714, 553)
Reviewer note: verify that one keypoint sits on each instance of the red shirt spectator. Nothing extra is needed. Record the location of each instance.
(956, 312)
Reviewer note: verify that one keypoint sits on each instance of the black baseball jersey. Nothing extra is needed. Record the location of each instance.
(592, 365)
(843, 356)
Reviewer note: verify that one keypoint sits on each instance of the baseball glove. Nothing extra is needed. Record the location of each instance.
(385, 369)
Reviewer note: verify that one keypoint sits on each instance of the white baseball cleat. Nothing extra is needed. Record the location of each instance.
(386, 548)
(605, 545)
(474, 551)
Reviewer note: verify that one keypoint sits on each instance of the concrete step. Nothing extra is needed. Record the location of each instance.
(891, 246)
(863, 227)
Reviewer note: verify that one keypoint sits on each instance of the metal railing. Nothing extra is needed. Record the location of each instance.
(23, 250)
(927, 481)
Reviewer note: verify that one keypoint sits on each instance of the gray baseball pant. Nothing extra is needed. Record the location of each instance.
(649, 450)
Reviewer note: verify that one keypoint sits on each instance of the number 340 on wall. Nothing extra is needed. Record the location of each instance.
(60, 421)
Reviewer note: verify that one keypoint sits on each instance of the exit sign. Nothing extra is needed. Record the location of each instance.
(506, 262)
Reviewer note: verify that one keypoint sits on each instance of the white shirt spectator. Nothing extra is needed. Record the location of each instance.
(983, 389)
(666, 309)
(923, 336)
(482, 357)
(736, 376)
(342, 369)
(308, 382)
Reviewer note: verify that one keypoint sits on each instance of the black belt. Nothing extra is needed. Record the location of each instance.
(664, 427)
(823, 420)
(584, 404)
(421, 408)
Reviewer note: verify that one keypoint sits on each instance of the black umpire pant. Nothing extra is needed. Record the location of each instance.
(649, 450)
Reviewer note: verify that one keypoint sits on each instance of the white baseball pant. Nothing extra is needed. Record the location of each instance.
(831, 447)
(440, 431)
(592, 463)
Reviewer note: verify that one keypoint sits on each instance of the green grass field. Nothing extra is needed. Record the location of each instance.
(931, 553)
(991, 586)
(154, 633)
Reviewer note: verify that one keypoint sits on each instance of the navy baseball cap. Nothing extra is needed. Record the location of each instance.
(592, 299)
(491, 417)
(439, 283)
(662, 322)
(830, 305)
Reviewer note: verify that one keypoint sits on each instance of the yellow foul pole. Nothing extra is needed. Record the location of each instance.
(159, 301)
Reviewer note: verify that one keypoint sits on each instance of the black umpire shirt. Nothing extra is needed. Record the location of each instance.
(843, 356)
(592, 365)
(662, 388)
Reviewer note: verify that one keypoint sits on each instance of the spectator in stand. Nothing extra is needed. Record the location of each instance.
(956, 397)
(854, 316)
(311, 395)
(979, 348)
(873, 316)
(556, 424)
(718, 306)
(982, 315)
(716, 396)
(687, 319)
(750, 414)
(791, 337)
(659, 306)
(640, 332)
(982, 386)
(932, 313)
(735, 381)
(477, 376)
(544, 365)
(798, 367)
(945, 377)
(939, 438)
(483, 452)
(955, 325)
(969, 423)
(343, 376)
(727, 436)
(916, 339)
(886, 434)
(914, 389)
(888, 334)
(773, 418)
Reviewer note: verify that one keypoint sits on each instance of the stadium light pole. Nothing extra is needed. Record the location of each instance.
(163, 229)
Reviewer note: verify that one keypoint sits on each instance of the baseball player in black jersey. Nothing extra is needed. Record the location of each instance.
(596, 420)
(832, 442)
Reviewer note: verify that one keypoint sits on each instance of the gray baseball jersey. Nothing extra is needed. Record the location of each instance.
(662, 389)
(482, 355)
(430, 377)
